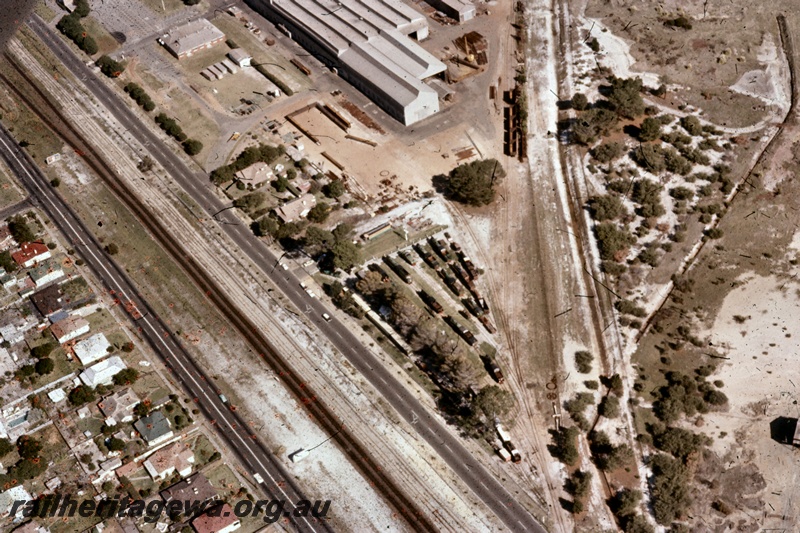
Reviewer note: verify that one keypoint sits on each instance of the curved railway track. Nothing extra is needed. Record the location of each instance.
(37, 101)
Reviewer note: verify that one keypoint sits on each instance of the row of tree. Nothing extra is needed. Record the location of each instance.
(70, 25)
(170, 125)
(139, 96)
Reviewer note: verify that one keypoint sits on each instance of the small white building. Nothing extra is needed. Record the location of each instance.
(102, 373)
(92, 349)
(240, 57)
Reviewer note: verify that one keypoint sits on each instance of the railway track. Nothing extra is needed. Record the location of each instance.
(38, 102)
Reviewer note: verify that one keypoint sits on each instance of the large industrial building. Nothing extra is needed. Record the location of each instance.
(367, 42)
(185, 40)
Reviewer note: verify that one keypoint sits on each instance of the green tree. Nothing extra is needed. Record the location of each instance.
(44, 366)
(609, 407)
(7, 262)
(127, 376)
(334, 189)
(565, 444)
(592, 124)
(319, 213)
(317, 241)
(650, 129)
(345, 255)
(141, 409)
(112, 249)
(43, 350)
(669, 490)
(647, 193)
(110, 67)
(251, 201)
(494, 401)
(5, 447)
(89, 45)
(115, 444)
(192, 146)
(28, 447)
(20, 230)
(473, 183)
(82, 8)
(81, 395)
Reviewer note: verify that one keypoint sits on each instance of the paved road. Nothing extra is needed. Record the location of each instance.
(18, 207)
(278, 482)
(197, 184)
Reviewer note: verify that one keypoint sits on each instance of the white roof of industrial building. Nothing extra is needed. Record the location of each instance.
(191, 36)
(102, 372)
(370, 37)
(92, 349)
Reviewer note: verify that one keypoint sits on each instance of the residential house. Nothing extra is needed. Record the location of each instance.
(92, 349)
(7, 280)
(49, 300)
(69, 328)
(102, 373)
(194, 488)
(6, 240)
(8, 498)
(30, 253)
(154, 428)
(45, 272)
(222, 520)
(296, 209)
(255, 175)
(119, 406)
(177, 457)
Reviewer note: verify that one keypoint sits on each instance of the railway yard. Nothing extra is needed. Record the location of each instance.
(430, 266)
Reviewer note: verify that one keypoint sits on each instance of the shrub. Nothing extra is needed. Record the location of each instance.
(592, 124)
(115, 444)
(580, 102)
(606, 207)
(680, 22)
(647, 194)
(692, 125)
(714, 233)
(612, 240)
(607, 152)
(594, 44)
(627, 307)
(625, 97)
(669, 491)
(583, 361)
(650, 129)
(591, 384)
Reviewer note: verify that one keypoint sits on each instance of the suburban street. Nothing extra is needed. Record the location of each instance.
(278, 483)
(196, 183)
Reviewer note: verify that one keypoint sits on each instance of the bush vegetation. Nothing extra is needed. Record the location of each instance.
(252, 154)
(473, 183)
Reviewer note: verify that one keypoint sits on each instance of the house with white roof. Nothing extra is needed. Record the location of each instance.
(102, 373)
(92, 349)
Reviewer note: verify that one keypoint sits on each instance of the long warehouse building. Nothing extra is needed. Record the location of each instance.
(368, 43)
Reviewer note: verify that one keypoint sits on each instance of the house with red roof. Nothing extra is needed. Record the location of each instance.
(220, 519)
(30, 253)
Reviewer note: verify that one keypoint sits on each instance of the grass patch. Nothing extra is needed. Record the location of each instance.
(106, 44)
(10, 192)
(44, 11)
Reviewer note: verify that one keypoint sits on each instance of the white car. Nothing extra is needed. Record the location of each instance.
(302, 285)
(258, 478)
(284, 266)
(326, 316)
(311, 293)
